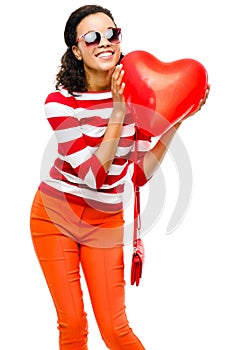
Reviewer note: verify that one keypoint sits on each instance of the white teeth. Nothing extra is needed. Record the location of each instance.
(105, 54)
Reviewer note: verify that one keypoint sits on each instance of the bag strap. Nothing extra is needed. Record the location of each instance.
(137, 218)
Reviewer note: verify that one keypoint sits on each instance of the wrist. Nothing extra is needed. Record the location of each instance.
(117, 117)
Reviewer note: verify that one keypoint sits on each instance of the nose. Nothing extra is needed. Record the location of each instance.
(104, 41)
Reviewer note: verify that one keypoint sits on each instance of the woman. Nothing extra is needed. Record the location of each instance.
(77, 212)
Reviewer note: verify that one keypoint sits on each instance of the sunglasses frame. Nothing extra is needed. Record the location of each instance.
(82, 37)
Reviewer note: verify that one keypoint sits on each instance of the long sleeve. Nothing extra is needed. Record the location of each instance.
(73, 150)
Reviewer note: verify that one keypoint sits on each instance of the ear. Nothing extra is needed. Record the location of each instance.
(77, 52)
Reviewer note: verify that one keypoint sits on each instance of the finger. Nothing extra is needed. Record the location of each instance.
(117, 71)
(121, 90)
(203, 101)
(117, 82)
(117, 78)
(115, 75)
(207, 91)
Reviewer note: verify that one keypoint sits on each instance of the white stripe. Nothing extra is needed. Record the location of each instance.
(93, 131)
(90, 179)
(117, 183)
(89, 113)
(70, 177)
(77, 158)
(123, 151)
(55, 109)
(70, 134)
(98, 131)
(108, 198)
(143, 145)
(116, 169)
(94, 96)
(112, 171)
(65, 93)
(128, 130)
(88, 95)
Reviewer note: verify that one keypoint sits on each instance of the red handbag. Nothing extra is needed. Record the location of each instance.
(138, 255)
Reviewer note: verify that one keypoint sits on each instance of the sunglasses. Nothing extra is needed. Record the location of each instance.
(92, 38)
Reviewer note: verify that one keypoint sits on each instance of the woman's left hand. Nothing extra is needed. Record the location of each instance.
(202, 102)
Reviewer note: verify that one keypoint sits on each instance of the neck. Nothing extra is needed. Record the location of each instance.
(98, 80)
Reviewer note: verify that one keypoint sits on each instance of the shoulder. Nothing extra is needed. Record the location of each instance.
(62, 97)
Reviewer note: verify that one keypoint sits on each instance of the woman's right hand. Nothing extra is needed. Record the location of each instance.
(117, 88)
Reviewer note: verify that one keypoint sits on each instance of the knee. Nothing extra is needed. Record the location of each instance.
(73, 330)
(115, 336)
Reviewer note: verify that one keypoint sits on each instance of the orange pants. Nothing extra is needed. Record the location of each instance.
(60, 258)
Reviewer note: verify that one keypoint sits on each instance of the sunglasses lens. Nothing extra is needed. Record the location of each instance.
(113, 35)
(92, 38)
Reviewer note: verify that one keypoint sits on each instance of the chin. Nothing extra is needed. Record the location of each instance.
(108, 65)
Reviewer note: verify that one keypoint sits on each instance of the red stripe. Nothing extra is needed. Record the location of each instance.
(129, 119)
(64, 166)
(97, 169)
(73, 146)
(61, 123)
(81, 171)
(57, 175)
(93, 104)
(92, 163)
(131, 157)
(142, 135)
(139, 177)
(92, 141)
(59, 98)
(119, 161)
(111, 179)
(94, 121)
(99, 121)
(126, 141)
(79, 200)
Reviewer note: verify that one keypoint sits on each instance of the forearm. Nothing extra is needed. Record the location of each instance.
(108, 147)
(154, 157)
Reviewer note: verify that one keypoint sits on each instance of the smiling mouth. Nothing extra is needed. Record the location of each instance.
(105, 54)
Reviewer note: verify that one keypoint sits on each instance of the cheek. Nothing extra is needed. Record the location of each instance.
(88, 55)
(86, 52)
(118, 54)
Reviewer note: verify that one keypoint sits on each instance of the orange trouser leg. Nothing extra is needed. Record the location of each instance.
(104, 273)
(59, 259)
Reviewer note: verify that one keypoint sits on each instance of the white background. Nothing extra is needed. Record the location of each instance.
(185, 299)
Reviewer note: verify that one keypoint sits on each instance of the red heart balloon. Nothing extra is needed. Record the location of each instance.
(159, 94)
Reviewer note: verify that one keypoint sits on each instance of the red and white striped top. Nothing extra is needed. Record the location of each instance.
(79, 124)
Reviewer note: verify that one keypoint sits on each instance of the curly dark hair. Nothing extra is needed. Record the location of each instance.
(71, 74)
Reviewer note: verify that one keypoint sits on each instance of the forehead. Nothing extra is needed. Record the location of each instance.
(98, 22)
